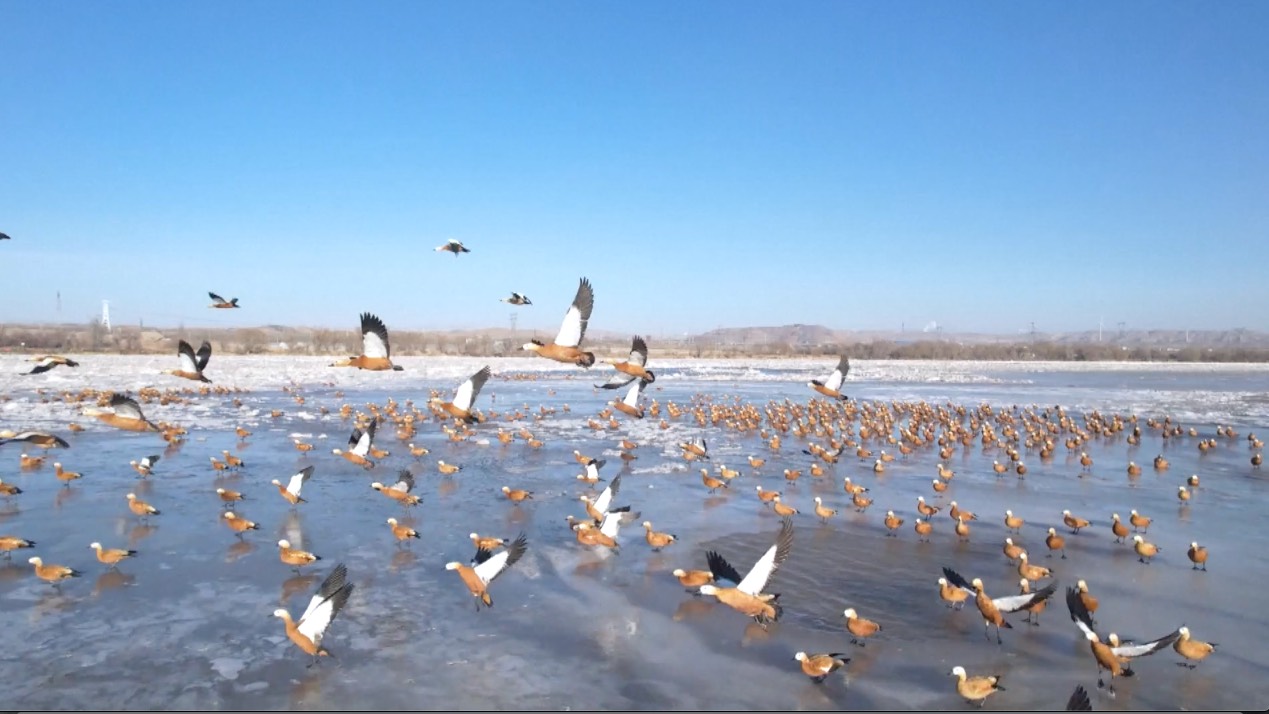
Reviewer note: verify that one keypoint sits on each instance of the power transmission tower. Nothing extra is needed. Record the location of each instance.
(513, 322)
(105, 314)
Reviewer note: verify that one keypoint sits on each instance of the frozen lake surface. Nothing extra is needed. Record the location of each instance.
(188, 622)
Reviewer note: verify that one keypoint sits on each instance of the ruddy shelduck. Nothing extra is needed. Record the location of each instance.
(191, 364)
(375, 350)
(111, 556)
(400, 532)
(295, 557)
(657, 539)
(238, 524)
(1075, 523)
(516, 495)
(125, 414)
(892, 523)
(10, 543)
(567, 344)
(220, 302)
(747, 595)
(44, 364)
(975, 690)
(54, 574)
(228, 496)
(322, 607)
(36, 438)
(629, 405)
(824, 512)
(359, 446)
(291, 489)
(1191, 649)
(1055, 542)
(145, 466)
(486, 566)
(859, 628)
(1145, 551)
(819, 666)
(401, 490)
(635, 366)
(994, 610)
(831, 385)
(464, 397)
(141, 508)
(1112, 658)
(1198, 556)
(452, 246)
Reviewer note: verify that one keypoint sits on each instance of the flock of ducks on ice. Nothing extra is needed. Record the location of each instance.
(830, 415)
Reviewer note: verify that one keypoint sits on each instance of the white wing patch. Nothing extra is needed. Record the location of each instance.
(570, 334)
(602, 503)
(363, 444)
(316, 619)
(632, 396)
(610, 525)
(187, 363)
(756, 579)
(297, 482)
(489, 569)
(372, 346)
(834, 381)
(1012, 603)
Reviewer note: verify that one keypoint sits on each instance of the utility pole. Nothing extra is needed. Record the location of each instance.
(1099, 328)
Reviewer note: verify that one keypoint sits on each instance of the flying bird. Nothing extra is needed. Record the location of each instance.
(464, 397)
(1114, 658)
(330, 599)
(375, 352)
(453, 246)
(192, 365)
(486, 566)
(359, 446)
(218, 301)
(38, 438)
(632, 368)
(567, 345)
(516, 299)
(747, 596)
(832, 384)
(44, 364)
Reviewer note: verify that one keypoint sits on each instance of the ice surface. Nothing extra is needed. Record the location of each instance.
(188, 622)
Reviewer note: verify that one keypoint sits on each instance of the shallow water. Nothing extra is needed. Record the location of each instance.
(188, 623)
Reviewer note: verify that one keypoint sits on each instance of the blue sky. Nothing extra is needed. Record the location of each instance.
(859, 165)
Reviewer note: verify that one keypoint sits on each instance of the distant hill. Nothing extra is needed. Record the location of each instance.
(808, 335)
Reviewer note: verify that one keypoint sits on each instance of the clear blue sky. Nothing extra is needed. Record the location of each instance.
(857, 165)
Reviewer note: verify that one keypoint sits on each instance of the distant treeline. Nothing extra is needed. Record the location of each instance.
(94, 337)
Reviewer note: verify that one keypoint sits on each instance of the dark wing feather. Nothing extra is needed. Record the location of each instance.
(371, 323)
(784, 543)
(41, 368)
(844, 366)
(721, 569)
(1079, 613)
(204, 354)
(215, 297)
(956, 579)
(639, 351)
(584, 301)
(515, 551)
(126, 406)
(404, 476)
(1079, 701)
(617, 381)
(482, 554)
(336, 580)
(356, 437)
